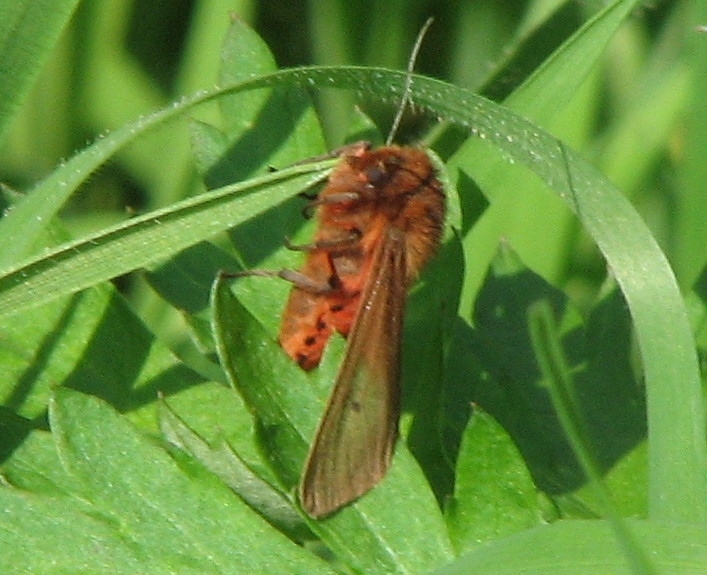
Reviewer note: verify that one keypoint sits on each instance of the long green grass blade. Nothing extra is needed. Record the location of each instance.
(149, 238)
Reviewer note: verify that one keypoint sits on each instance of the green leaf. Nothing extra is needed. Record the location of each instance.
(559, 77)
(257, 123)
(431, 312)
(587, 548)
(677, 476)
(398, 526)
(29, 30)
(91, 342)
(557, 376)
(244, 56)
(234, 472)
(534, 221)
(601, 361)
(494, 494)
(697, 302)
(130, 508)
(34, 466)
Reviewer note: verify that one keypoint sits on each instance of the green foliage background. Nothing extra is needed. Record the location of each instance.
(566, 329)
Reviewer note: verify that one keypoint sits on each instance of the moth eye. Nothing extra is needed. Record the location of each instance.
(375, 175)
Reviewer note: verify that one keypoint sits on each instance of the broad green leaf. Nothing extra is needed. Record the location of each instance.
(234, 472)
(29, 30)
(140, 511)
(431, 311)
(397, 527)
(34, 466)
(576, 547)
(494, 494)
(53, 535)
(244, 56)
(262, 128)
(92, 342)
(514, 392)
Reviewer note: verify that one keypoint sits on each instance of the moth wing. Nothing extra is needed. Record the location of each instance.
(354, 442)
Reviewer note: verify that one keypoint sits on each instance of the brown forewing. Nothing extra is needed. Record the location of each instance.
(354, 442)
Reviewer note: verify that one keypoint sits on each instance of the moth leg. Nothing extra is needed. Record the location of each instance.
(303, 282)
(332, 284)
(340, 198)
(296, 278)
(352, 237)
(327, 247)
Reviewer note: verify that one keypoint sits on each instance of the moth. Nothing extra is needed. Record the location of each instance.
(379, 220)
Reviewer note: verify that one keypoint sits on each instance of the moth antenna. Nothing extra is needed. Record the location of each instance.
(408, 81)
